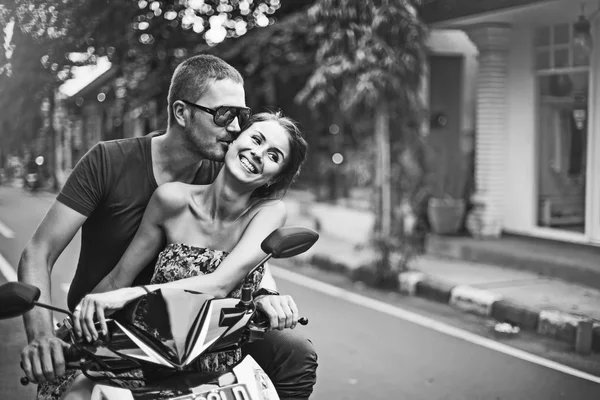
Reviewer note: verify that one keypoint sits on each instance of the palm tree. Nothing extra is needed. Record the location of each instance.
(369, 66)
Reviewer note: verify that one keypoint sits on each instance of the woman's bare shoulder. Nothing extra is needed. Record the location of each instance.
(172, 196)
(271, 206)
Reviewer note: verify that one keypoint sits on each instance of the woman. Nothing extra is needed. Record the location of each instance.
(209, 235)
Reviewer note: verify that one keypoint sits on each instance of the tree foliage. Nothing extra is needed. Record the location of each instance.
(283, 51)
(369, 65)
(32, 65)
(370, 51)
(144, 39)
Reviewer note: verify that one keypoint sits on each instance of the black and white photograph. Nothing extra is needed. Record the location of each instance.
(300, 199)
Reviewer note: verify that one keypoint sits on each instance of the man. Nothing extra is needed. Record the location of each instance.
(106, 195)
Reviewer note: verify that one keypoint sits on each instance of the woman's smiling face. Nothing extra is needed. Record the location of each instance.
(259, 153)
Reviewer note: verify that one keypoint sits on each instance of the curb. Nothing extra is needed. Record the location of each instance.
(580, 331)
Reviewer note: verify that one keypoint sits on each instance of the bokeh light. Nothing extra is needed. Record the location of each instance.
(337, 158)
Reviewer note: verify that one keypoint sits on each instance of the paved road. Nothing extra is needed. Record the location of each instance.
(364, 353)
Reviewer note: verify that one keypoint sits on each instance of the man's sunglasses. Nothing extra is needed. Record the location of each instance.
(224, 115)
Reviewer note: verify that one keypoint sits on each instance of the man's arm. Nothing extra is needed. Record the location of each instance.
(54, 233)
(43, 357)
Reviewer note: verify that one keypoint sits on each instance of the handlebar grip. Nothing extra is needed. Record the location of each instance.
(261, 319)
(71, 354)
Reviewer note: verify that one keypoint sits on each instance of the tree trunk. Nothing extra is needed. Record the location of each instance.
(52, 145)
(336, 145)
(383, 171)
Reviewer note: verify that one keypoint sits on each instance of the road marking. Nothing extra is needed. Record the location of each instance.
(6, 231)
(11, 275)
(7, 270)
(426, 322)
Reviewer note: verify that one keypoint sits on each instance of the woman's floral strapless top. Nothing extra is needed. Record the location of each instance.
(180, 261)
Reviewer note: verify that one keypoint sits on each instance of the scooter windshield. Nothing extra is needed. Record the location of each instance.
(171, 327)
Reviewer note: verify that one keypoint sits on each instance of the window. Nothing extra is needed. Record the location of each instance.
(562, 75)
(554, 49)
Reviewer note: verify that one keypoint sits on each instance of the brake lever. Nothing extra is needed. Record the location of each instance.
(263, 323)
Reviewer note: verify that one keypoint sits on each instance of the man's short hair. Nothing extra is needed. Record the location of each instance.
(193, 76)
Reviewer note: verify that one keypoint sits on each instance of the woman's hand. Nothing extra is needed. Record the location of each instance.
(101, 305)
(280, 309)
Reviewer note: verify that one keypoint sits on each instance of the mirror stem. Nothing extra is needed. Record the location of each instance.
(260, 264)
(246, 298)
(49, 307)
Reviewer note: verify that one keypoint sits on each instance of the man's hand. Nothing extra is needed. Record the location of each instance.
(280, 310)
(43, 359)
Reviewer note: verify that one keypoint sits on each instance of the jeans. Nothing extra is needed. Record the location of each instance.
(289, 359)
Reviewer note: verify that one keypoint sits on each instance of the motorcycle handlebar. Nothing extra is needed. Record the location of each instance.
(261, 319)
(71, 355)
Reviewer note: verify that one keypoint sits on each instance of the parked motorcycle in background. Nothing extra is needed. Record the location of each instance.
(153, 343)
(33, 174)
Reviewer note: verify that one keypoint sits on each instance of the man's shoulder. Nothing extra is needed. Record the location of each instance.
(124, 160)
(118, 152)
(135, 143)
(124, 143)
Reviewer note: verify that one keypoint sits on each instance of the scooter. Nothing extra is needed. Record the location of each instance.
(33, 177)
(152, 343)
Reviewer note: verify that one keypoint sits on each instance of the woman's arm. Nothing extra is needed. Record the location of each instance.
(245, 255)
(144, 247)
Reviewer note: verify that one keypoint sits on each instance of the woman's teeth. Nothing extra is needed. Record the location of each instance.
(247, 165)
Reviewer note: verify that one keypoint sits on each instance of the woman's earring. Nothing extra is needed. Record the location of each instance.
(274, 181)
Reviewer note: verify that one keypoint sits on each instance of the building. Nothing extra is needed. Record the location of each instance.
(91, 108)
(526, 79)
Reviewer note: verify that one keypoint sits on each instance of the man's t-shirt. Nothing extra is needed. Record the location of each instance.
(111, 185)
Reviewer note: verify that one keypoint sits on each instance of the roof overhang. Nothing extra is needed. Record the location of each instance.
(441, 14)
(435, 11)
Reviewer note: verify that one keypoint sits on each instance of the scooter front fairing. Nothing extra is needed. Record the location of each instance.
(155, 342)
(246, 381)
(173, 327)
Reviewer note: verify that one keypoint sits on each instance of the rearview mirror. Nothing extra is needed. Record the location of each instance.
(17, 298)
(289, 241)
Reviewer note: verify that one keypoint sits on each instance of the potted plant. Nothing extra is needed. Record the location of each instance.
(446, 206)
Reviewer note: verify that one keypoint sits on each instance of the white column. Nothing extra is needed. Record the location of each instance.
(492, 41)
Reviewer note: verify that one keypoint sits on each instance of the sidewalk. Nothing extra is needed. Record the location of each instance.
(547, 306)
